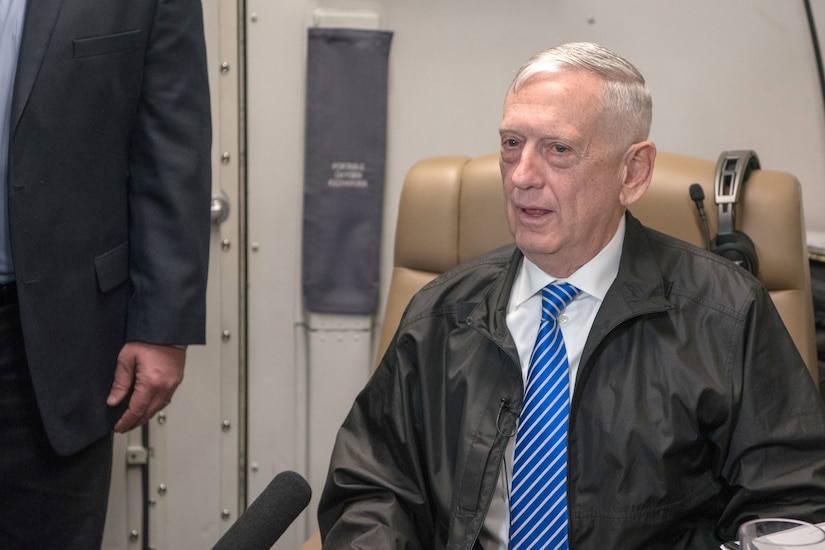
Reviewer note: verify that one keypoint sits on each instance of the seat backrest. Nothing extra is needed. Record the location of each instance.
(452, 209)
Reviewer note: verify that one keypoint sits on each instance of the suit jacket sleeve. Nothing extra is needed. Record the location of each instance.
(169, 183)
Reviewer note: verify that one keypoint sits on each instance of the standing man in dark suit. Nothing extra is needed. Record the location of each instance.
(104, 230)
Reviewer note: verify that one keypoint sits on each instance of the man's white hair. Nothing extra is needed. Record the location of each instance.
(625, 95)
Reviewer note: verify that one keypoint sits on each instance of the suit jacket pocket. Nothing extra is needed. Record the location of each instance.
(102, 45)
(112, 267)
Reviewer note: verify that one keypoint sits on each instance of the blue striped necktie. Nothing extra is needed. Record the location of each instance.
(538, 498)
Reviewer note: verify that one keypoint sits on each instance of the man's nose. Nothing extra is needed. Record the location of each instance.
(527, 172)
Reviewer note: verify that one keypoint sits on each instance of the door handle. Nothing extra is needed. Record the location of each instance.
(220, 208)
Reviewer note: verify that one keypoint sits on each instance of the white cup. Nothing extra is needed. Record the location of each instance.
(780, 534)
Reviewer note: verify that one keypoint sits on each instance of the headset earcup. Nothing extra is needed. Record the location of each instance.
(738, 248)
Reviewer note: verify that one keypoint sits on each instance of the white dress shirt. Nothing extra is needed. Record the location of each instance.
(523, 319)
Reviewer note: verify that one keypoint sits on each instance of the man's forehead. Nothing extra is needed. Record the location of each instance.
(550, 105)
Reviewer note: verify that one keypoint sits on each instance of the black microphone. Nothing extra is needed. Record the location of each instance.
(269, 515)
(697, 195)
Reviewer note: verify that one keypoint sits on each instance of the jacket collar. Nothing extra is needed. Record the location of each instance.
(639, 289)
(488, 315)
(41, 16)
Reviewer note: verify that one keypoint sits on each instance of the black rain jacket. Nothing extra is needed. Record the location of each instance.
(692, 412)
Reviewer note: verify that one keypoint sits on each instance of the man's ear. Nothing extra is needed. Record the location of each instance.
(637, 171)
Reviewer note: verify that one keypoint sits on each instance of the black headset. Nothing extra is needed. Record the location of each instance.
(732, 169)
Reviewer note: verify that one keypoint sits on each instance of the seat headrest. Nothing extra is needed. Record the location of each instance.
(769, 212)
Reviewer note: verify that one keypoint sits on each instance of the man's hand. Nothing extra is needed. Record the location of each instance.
(156, 371)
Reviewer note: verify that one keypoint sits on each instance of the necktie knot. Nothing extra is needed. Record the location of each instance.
(555, 297)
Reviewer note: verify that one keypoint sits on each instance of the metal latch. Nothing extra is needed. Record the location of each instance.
(137, 455)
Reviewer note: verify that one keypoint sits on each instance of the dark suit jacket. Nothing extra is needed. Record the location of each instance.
(109, 192)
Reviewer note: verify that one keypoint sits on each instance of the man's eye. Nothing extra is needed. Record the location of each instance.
(511, 142)
(558, 148)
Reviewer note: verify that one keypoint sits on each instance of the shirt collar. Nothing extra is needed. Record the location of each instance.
(593, 278)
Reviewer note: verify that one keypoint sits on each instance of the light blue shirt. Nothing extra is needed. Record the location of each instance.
(12, 13)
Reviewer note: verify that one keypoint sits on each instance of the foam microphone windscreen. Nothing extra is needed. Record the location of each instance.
(269, 515)
(696, 192)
